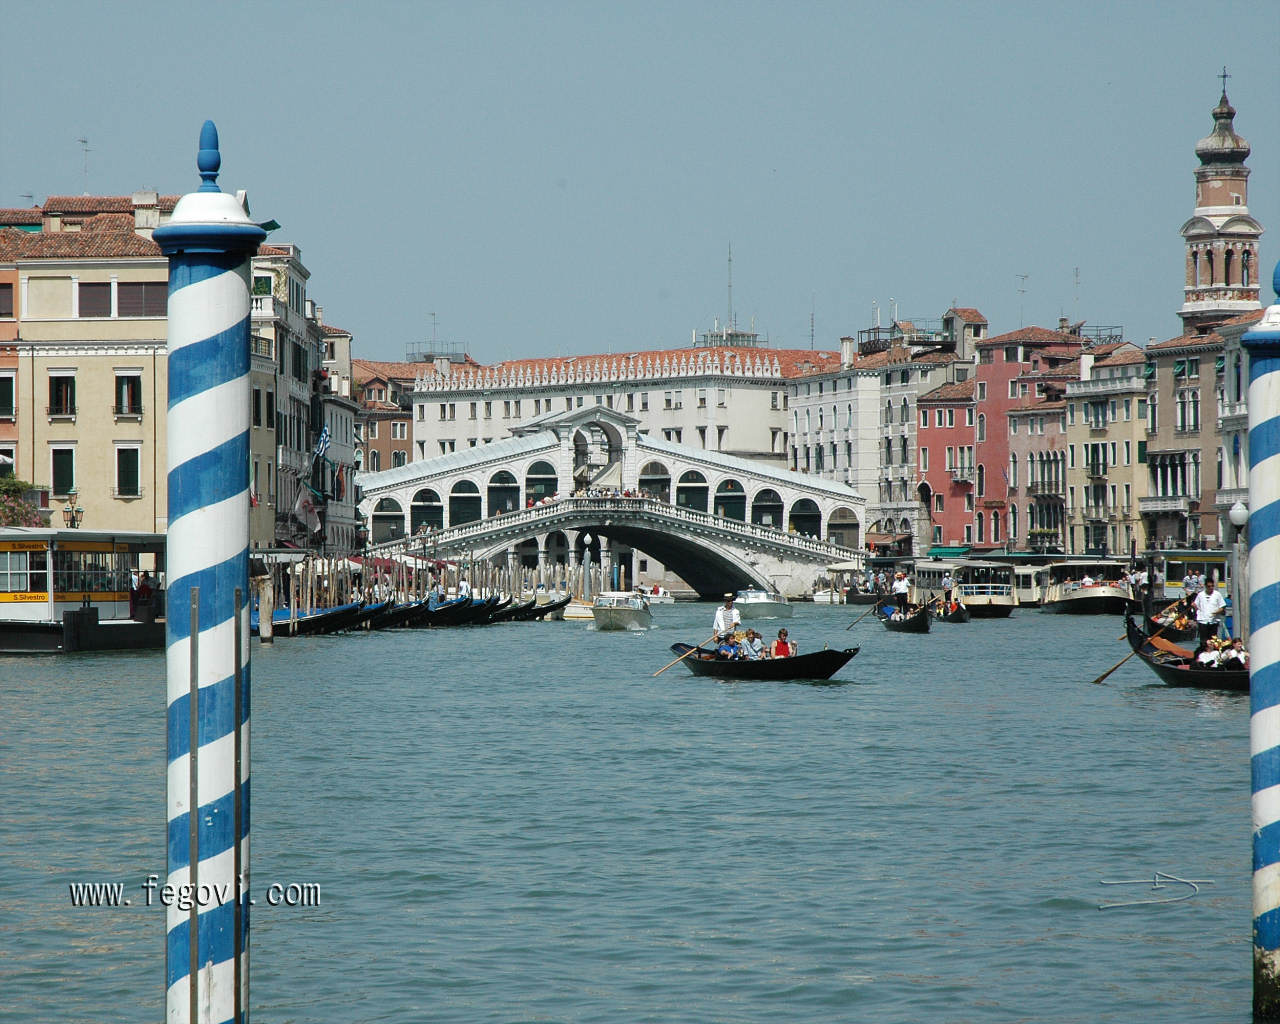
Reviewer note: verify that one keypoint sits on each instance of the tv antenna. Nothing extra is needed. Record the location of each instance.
(1075, 312)
(729, 321)
(1022, 290)
(813, 303)
(84, 145)
(433, 331)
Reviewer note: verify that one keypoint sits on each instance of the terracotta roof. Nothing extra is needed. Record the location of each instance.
(1039, 405)
(273, 250)
(106, 234)
(380, 406)
(899, 356)
(956, 391)
(791, 362)
(1125, 357)
(1031, 336)
(21, 215)
(1211, 340)
(102, 204)
(966, 313)
(1253, 316)
(330, 329)
(1068, 368)
(363, 370)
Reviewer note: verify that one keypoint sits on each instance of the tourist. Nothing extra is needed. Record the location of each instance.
(1235, 657)
(1086, 580)
(753, 646)
(1207, 657)
(1210, 608)
(782, 647)
(727, 619)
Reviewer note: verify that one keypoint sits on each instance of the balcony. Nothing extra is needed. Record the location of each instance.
(961, 474)
(264, 306)
(1099, 513)
(1106, 386)
(1097, 470)
(1044, 489)
(1179, 504)
(1228, 496)
(1233, 415)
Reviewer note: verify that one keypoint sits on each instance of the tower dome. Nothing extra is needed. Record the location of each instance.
(1223, 145)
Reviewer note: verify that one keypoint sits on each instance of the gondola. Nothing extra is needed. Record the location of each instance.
(321, 620)
(1173, 663)
(817, 665)
(541, 611)
(512, 610)
(1150, 624)
(916, 622)
(960, 613)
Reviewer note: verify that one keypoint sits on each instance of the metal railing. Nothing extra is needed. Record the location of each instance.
(127, 410)
(62, 409)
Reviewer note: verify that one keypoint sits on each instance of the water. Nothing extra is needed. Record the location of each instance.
(520, 823)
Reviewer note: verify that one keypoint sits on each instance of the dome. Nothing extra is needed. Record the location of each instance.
(1222, 145)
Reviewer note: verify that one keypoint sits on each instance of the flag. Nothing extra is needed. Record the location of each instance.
(304, 510)
(322, 445)
(340, 484)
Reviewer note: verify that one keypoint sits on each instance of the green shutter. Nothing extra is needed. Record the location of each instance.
(1142, 451)
(1149, 371)
(1219, 363)
(1180, 368)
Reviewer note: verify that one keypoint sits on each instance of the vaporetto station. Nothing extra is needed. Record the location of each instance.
(587, 484)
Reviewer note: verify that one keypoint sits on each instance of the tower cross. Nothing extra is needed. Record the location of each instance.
(1224, 76)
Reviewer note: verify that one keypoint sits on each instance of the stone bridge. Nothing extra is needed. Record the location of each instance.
(550, 493)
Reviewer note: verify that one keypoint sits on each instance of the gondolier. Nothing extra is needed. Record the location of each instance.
(727, 620)
(901, 588)
(1210, 608)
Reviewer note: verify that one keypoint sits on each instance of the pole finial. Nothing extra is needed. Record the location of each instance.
(209, 160)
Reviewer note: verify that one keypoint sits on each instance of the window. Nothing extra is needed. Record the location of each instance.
(398, 458)
(644, 401)
(982, 391)
(1013, 424)
(937, 535)
(773, 400)
(937, 418)
(982, 426)
(1011, 354)
(373, 429)
(1013, 470)
(951, 462)
(702, 398)
(7, 408)
(62, 395)
(986, 355)
(6, 301)
(375, 460)
(129, 396)
(128, 484)
(142, 298)
(63, 466)
(399, 430)
(924, 460)
(261, 285)
(937, 503)
(924, 418)
(95, 299)
(488, 410)
(473, 411)
(951, 417)
(1013, 389)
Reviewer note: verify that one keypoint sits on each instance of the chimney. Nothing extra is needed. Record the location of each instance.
(146, 212)
(1063, 324)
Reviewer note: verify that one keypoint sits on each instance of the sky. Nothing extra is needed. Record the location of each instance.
(533, 179)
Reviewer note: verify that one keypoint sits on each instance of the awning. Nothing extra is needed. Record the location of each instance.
(880, 539)
(947, 552)
(845, 567)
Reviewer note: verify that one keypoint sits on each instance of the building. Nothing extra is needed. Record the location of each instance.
(384, 391)
(945, 465)
(1221, 237)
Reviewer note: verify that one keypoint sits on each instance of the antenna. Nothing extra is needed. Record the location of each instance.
(1022, 290)
(875, 313)
(893, 311)
(813, 303)
(433, 331)
(1075, 311)
(84, 144)
(28, 196)
(728, 324)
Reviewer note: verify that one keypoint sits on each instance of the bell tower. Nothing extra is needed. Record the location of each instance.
(1221, 238)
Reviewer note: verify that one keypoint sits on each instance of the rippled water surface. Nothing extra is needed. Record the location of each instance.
(521, 823)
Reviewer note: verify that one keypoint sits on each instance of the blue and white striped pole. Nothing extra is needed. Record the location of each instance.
(1263, 344)
(208, 241)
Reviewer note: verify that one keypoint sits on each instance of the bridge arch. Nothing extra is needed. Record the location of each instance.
(805, 517)
(540, 481)
(691, 491)
(426, 510)
(731, 500)
(388, 520)
(655, 479)
(767, 509)
(464, 503)
(504, 493)
(843, 528)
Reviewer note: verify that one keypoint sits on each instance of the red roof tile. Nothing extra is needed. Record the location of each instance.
(1125, 357)
(103, 235)
(1031, 336)
(21, 215)
(363, 370)
(966, 313)
(791, 362)
(102, 204)
(1210, 340)
(956, 391)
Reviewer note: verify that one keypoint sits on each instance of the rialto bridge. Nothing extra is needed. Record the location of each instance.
(579, 485)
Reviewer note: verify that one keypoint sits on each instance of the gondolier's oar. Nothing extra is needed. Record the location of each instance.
(1128, 656)
(862, 616)
(686, 654)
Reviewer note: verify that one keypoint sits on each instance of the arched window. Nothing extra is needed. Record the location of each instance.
(1013, 469)
(504, 493)
(398, 458)
(464, 503)
(766, 509)
(1013, 522)
(1226, 266)
(982, 426)
(427, 510)
(905, 412)
(805, 518)
(388, 520)
(995, 527)
(982, 532)
(691, 491)
(375, 460)
(888, 412)
(655, 481)
(540, 481)
(982, 480)
(731, 500)
(1244, 269)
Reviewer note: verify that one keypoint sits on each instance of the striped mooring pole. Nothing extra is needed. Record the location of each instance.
(1263, 345)
(208, 240)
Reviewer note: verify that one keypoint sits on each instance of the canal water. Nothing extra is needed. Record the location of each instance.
(520, 823)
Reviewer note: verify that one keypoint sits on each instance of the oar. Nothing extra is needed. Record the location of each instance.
(1128, 656)
(873, 607)
(686, 654)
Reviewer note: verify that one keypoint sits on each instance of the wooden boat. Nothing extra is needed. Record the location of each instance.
(960, 613)
(542, 611)
(915, 622)
(1164, 623)
(816, 665)
(861, 597)
(284, 622)
(1173, 663)
(621, 609)
(512, 610)
(762, 604)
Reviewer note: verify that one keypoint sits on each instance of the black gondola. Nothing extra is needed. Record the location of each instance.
(1175, 670)
(960, 613)
(1150, 624)
(915, 622)
(817, 665)
(543, 610)
(512, 610)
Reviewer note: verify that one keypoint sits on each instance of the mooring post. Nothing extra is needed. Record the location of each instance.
(1263, 345)
(208, 240)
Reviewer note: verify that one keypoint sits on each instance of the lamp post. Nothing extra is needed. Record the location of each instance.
(1239, 516)
(72, 512)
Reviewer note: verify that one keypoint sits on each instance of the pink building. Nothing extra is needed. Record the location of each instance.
(945, 434)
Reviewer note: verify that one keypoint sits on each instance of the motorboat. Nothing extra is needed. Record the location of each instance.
(762, 604)
(621, 609)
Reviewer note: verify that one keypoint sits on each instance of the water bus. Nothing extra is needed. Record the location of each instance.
(986, 589)
(69, 590)
(1086, 588)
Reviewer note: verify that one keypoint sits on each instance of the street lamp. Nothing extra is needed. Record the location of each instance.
(1239, 516)
(72, 513)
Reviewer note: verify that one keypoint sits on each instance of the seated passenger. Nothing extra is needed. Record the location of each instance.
(753, 646)
(1234, 657)
(782, 647)
(1206, 657)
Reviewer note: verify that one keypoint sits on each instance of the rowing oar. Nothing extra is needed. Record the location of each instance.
(874, 606)
(1128, 656)
(1153, 618)
(685, 655)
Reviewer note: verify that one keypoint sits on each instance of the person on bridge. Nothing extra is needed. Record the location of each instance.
(728, 619)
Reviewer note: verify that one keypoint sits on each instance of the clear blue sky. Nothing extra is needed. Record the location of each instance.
(567, 177)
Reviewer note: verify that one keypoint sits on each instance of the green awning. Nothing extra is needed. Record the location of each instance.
(1149, 371)
(1180, 368)
(1219, 363)
(947, 552)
